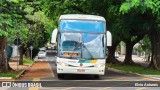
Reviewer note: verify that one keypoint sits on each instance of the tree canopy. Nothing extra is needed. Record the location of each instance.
(129, 21)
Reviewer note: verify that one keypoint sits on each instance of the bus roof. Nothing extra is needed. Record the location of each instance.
(82, 17)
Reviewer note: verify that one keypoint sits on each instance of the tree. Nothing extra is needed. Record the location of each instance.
(40, 27)
(149, 9)
(7, 13)
(131, 24)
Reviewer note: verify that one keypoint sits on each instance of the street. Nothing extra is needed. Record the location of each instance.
(44, 71)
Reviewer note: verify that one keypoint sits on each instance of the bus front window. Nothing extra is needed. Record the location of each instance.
(93, 46)
(82, 45)
(70, 45)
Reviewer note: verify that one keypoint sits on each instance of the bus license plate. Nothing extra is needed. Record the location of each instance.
(80, 70)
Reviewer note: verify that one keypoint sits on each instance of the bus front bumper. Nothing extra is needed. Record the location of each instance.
(80, 70)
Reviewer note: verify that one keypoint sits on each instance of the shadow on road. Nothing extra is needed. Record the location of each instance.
(79, 77)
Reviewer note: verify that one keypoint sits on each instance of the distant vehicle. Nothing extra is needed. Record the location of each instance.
(51, 46)
(116, 54)
(42, 54)
(42, 49)
(54, 39)
(81, 45)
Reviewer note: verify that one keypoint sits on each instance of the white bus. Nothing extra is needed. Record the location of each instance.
(81, 45)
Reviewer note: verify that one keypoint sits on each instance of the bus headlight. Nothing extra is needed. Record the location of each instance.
(99, 65)
(62, 63)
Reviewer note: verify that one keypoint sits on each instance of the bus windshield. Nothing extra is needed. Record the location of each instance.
(83, 39)
(82, 45)
(82, 26)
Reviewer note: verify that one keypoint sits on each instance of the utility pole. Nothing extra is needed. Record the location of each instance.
(31, 48)
(17, 54)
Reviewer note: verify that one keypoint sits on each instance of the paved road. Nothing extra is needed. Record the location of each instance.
(136, 59)
(44, 71)
(51, 54)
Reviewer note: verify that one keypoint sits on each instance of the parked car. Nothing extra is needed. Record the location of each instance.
(42, 54)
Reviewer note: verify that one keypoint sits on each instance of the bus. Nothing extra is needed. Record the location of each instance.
(82, 41)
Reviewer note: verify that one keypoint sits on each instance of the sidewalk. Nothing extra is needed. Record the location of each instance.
(15, 66)
(136, 59)
(37, 71)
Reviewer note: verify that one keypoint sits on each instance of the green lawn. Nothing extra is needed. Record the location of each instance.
(28, 61)
(135, 69)
(12, 73)
(7, 75)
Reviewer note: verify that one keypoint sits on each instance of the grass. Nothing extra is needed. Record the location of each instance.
(11, 73)
(8, 75)
(135, 69)
(28, 61)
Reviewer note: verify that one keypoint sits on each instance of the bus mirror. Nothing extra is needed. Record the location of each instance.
(109, 38)
(54, 36)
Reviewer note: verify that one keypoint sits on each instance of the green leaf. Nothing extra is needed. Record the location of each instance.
(3, 33)
(125, 7)
(15, 1)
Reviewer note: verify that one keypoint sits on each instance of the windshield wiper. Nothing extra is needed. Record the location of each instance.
(77, 47)
(88, 51)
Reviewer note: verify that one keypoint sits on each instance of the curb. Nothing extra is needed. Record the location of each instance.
(6, 78)
(18, 76)
(155, 77)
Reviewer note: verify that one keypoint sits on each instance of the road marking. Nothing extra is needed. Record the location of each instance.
(36, 79)
(89, 84)
(51, 70)
(80, 85)
(106, 88)
(113, 86)
(113, 78)
(146, 78)
(149, 78)
(141, 88)
(35, 88)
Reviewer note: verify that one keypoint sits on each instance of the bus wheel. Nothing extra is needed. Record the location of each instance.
(60, 76)
(96, 76)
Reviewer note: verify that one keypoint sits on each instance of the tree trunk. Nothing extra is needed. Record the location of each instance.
(111, 54)
(27, 53)
(128, 57)
(21, 54)
(148, 58)
(129, 48)
(156, 55)
(155, 58)
(3, 59)
(151, 65)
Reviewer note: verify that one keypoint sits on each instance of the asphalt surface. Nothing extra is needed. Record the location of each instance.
(112, 80)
